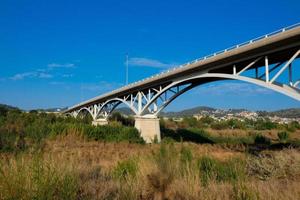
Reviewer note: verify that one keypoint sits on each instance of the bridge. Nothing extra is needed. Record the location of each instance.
(266, 61)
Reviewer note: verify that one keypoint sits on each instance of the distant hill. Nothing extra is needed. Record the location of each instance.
(188, 112)
(51, 110)
(124, 110)
(284, 113)
(5, 108)
(288, 113)
(8, 107)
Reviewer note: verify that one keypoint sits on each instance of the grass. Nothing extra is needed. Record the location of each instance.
(69, 167)
(36, 178)
(53, 158)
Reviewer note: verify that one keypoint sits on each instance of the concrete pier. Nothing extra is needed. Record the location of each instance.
(100, 122)
(149, 128)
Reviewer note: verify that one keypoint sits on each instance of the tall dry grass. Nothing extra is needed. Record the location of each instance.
(37, 177)
(70, 167)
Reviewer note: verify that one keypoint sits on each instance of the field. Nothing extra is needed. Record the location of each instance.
(49, 157)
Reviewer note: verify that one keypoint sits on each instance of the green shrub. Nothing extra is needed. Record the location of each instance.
(283, 136)
(262, 124)
(114, 133)
(219, 125)
(125, 169)
(7, 141)
(38, 130)
(186, 155)
(242, 192)
(212, 169)
(260, 139)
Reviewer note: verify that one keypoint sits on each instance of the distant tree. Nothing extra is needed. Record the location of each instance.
(207, 120)
(33, 111)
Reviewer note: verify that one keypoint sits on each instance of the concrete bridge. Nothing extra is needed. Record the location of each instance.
(261, 61)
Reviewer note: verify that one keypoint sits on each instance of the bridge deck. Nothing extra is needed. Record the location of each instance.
(277, 45)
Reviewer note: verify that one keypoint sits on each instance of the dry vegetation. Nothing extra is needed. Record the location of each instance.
(52, 157)
(70, 167)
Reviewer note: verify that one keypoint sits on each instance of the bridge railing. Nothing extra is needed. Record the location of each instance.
(217, 53)
(212, 55)
(246, 43)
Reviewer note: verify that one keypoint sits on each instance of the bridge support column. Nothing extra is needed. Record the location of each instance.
(149, 128)
(99, 122)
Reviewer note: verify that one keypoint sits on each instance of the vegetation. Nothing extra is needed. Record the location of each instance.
(232, 132)
(46, 156)
(37, 178)
(165, 171)
(19, 130)
(283, 136)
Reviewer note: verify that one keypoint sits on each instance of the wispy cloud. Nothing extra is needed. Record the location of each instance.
(21, 76)
(33, 74)
(67, 75)
(146, 62)
(102, 86)
(44, 73)
(56, 83)
(59, 65)
(231, 88)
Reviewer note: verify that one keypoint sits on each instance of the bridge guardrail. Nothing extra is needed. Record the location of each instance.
(213, 54)
(222, 51)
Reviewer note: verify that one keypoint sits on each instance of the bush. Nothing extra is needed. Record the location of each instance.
(212, 169)
(262, 124)
(219, 125)
(125, 169)
(126, 121)
(7, 141)
(114, 134)
(260, 139)
(283, 136)
(242, 192)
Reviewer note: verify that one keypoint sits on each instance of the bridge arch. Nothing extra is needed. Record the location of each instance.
(212, 77)
(110, 105)
(86, 109)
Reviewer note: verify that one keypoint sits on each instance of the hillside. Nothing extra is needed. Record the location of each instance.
(8, 107)
(284, 113)
(288, 113)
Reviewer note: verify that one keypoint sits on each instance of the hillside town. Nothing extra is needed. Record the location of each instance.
(239, 114)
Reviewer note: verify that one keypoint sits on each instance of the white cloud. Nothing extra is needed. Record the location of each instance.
(21, 76)
(58, 65)
(56, 83)
(45, 75)
(232, 88)
(146, 62)
(103, 86)
(33, 74)
(91, 87)
(67, 75)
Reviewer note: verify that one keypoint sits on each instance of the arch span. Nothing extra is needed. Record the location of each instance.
(110, 105)
(87, 109)
(211, 77)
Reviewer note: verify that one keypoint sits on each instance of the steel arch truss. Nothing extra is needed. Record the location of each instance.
(151, 101)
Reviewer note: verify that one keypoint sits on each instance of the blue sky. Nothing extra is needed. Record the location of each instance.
(58, 53)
